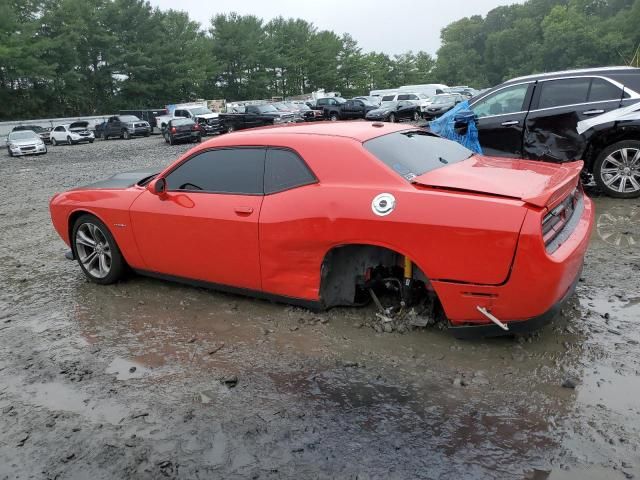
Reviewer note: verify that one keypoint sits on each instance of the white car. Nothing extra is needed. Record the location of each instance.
(25, 142)
(417, 98)
(71, 134)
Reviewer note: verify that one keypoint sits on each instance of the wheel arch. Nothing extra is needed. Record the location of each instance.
(73, 217)
(602, 140)
(343, 263)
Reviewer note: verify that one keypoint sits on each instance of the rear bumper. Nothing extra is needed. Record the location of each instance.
(467, 332)
(538, 280)
(178, 136)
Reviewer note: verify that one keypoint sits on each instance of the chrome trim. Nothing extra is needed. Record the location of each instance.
(578, 70)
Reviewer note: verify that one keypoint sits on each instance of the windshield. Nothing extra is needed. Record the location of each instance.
(267, 109)
(413, 153)
(23, 135)
(129, 118)
(200, 111)
(443, 99)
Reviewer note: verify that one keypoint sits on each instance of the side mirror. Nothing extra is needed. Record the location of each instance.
(158, 186)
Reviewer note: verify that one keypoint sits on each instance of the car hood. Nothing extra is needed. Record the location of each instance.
(378, 111)
(536, 183)
(26, 141)
(121, 180)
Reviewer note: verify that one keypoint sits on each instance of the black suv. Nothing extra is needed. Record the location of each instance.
(536, 117)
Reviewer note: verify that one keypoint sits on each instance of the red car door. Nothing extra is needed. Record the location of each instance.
(205, 227)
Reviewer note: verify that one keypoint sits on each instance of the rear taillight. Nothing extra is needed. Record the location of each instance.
(556, 220)
(173, 130)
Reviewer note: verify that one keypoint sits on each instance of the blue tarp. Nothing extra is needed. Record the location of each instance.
(445, 126)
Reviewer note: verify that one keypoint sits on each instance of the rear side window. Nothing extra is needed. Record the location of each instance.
(403, 97)
(388, 98)
(284, 170)
(413, 153)
(570, 91)
(602, 90)
(234, 170)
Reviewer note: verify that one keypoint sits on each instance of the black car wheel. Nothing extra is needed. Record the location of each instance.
(416, 116)
(69, 141)
(126, 135)
(230, 129)
(91, 141)
(166, 137)
(53, 142)
(617, 169)
(10, 152)
(104, 136)
(96, 251)
(171, 140)
(333, 117)
(392, 118)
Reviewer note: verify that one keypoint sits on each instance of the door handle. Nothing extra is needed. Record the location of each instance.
(593, 112)
(510, 122)
(244, 210)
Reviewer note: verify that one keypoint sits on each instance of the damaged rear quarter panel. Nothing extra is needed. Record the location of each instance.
(449, 235)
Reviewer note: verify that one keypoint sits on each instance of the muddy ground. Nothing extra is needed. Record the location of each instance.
(137, 380)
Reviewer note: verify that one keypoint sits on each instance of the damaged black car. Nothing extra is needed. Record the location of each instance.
(564, 116)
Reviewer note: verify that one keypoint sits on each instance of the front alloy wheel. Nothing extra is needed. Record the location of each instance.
(96, 250)
(617, 169)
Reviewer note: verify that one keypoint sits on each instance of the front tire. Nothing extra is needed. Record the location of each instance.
(333, 117)
(10, 152)
(69, 141)
(617, 169)
(54, 142)
(392, 118)
(416, 116)
(126, 135)
(96, 251)
(230, 129)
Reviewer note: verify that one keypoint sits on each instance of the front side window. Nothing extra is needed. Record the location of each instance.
(285, 170)
(388, 98)
(505, 101)
(569, 91)
(234, 170)
(403, 97)
(413, 153)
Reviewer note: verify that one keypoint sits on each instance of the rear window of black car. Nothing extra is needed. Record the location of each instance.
(416, 152)
(180, 121)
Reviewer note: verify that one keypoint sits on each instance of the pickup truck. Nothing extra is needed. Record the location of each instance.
(336, 108)
(252, 116)
(123, 126)
(200, 114)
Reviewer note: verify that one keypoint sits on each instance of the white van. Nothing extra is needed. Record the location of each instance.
(428, 89)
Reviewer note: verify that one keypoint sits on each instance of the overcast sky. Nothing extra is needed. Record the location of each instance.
(394, 26)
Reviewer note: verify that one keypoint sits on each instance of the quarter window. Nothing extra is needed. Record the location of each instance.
(285, 170)
(602, 90)
(237, 170)
(570, 91)
(508, 100)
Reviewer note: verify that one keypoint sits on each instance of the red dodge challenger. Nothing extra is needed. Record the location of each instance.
(318, 215)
